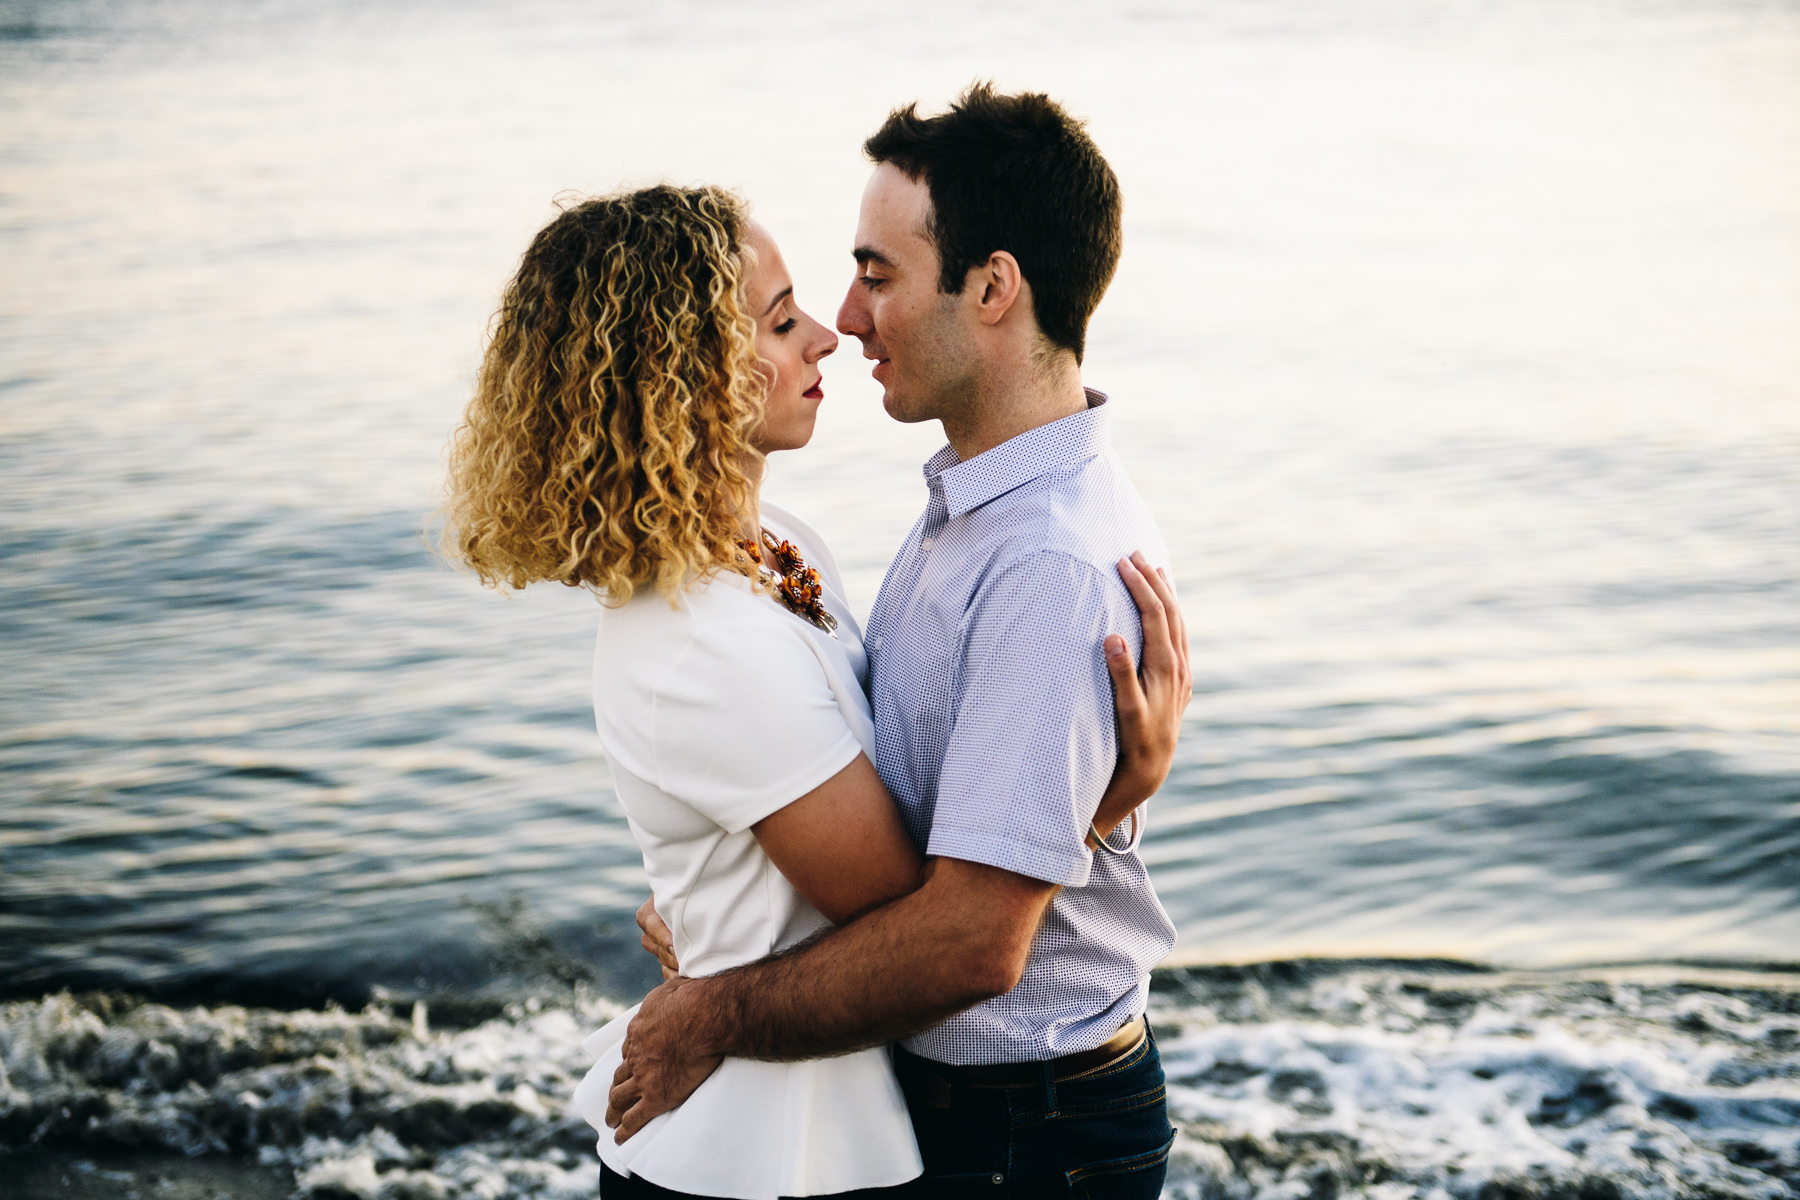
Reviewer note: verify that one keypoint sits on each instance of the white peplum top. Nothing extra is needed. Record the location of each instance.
(715, 713)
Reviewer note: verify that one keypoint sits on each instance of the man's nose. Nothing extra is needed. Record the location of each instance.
(853, 316)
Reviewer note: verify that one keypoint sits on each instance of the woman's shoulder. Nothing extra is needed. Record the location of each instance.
(719, 629)
(784, 522)
(666, 672)
(720, 599)
(720, 702)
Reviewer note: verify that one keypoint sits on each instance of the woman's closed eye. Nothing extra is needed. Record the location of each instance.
(787, 326)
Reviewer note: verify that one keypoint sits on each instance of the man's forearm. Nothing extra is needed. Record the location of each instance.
(900, 969)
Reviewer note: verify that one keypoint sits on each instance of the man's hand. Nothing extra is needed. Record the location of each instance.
(657, 939)
(661, 1066)
(1150, 702)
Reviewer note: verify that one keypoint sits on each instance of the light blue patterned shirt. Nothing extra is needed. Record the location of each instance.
(994, 721)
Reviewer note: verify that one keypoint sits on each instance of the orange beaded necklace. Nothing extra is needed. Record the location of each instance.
(796, 584)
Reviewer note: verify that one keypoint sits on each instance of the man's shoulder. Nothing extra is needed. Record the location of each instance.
(1088, 511)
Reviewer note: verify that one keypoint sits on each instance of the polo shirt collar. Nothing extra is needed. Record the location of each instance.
(966, 486)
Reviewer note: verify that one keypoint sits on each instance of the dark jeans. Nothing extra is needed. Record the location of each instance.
(614, 1186)
(1103, 1136)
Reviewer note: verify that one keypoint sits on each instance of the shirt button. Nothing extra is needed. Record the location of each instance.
(999, 1179)
(926, 543)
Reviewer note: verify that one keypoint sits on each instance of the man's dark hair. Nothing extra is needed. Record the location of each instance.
(1014, 173)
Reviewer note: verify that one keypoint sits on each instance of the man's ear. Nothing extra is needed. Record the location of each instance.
(997, 284)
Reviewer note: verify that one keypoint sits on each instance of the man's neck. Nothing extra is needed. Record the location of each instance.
(1013, 400)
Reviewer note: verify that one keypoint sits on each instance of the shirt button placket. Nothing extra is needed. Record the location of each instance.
(936, 513)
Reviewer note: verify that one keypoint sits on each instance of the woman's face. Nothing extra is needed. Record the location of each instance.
(789, 345)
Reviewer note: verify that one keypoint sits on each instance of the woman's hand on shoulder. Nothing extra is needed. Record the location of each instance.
(1150, 701)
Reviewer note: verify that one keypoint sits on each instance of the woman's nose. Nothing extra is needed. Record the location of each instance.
(824, 344)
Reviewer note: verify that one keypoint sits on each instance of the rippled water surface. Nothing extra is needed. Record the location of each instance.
(1457, 348)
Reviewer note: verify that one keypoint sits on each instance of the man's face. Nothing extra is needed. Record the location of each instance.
(921, 340)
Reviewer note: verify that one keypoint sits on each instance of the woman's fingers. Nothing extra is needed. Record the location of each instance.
(1172, 688)
(1180, 632)
(1156, 606)
(1135, 572)
(1128, 691)
(1165, 667)
(1151, 705)
(657, 938)
(1167, 640)
(1150, 699)
(1158, 579)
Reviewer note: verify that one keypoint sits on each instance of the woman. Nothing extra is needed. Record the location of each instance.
(648, 356)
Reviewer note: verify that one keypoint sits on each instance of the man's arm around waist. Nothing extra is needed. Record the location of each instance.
(962, 938)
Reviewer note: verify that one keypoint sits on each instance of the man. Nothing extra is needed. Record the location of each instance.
(1017, 975)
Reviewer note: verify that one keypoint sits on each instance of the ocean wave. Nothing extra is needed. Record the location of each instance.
(365, 1104)
(1297, 1080)
(1286, 1080)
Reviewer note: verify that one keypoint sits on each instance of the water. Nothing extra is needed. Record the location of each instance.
(1285, 1081)
(1456, 349)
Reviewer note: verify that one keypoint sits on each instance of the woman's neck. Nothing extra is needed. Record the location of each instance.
(749, 518)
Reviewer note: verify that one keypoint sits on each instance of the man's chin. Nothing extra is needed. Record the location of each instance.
(898, 408)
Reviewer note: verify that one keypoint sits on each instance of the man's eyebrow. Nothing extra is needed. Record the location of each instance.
(783, 294)
(868, 254)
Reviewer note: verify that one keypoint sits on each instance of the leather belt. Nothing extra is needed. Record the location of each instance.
(1026, 1074)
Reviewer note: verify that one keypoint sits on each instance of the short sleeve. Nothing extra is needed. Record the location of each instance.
(744, 722)
(1036, 735)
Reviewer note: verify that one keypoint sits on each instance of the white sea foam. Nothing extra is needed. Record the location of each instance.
(1288, 1080)
(1611, 1084)
(368, 1105)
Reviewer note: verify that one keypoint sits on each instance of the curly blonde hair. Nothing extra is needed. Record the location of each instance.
(605, 443)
